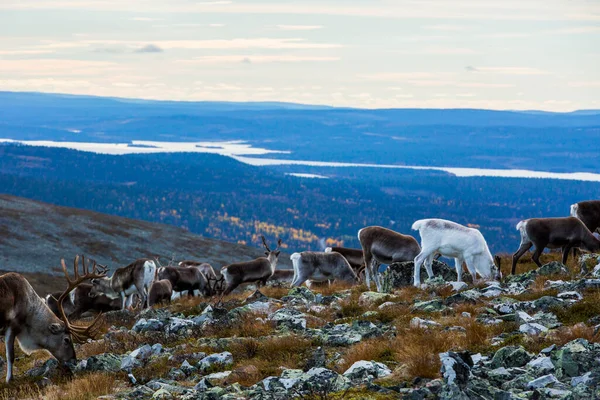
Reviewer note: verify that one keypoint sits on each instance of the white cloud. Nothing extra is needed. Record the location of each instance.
(256, 59)
(446, 28)
(221, 44)
(508, 70)
(23, 52)
(299, 27)
(144, 19)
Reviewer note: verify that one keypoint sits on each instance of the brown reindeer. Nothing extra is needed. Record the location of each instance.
(384, 246)
(25, 317)
(161, 291)
(258, 270)
(565, 233)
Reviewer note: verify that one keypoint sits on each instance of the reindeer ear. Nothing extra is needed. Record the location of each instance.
(266, 253)
(56, 328)
(277, 253)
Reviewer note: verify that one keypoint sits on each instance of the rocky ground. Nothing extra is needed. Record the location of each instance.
(531, 336)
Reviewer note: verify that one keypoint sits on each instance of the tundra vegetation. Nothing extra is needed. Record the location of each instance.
(534, 335)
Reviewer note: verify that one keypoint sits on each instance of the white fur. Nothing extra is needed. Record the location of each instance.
(574, 210)
(452, 240)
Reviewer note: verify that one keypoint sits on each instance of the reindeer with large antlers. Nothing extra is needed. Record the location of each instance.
(258, 270)
(25, 317)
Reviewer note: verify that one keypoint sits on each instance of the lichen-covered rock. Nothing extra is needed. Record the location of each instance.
(105, 362)
(542, 381)
(456, 373)
(220, 360)
(417, 322)
(147, 325)
(178, 326)
(369, 299)
(48, 368)
(300, 292)
(347, 334)
(399, 275)
(541, 365)
(434, 305)
(511, 356)
(289, 318)
(364, 371)
(575, 358)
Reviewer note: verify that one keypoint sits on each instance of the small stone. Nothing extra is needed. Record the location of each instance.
(542, 381)
(541, 364)
(364, 371)
(417, 322)
(532, 328)
(221, 359)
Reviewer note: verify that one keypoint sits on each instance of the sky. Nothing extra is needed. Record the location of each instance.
(494, 54)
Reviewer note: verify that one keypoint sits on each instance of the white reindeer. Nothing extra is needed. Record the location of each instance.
(453, 240)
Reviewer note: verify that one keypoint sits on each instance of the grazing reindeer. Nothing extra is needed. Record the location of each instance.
(215, 280)
(185, 279)
(384, 246)
(136, 277)
(321, 267)
(24, 317)
(552, 233)
(160, 292)
(258, 270)
(355, 258)
(80, 302)
(282, 276)
(453, 240)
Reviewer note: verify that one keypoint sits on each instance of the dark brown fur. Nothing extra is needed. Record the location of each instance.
(565, 233)
(160, 292)
(589, 213)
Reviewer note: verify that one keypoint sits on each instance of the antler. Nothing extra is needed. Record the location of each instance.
(79, 334)
(265, 243)
(278, 244)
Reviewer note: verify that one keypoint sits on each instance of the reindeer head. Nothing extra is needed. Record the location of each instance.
(61, 334)
(271, 254)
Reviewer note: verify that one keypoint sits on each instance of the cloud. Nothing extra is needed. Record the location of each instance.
(144, 19)
(446, 28)
(257, 59)
(584, 84)
(149, 48)
(221, 44)
(550, 10)
(299, 27)
(507, 70)
(57, 67)
(573, 30)
(23, 52)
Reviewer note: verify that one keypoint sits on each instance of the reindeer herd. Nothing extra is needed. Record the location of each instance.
(36, 323)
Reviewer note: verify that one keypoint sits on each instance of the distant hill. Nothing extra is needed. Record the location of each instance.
(34, 236)
(434, 137)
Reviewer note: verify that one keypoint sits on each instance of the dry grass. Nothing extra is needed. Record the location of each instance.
(378, 349)
(268, 355)
(418, 350)
(337, 287)
(581, 311)
(275, 292)
(247, 325)
(84, 387)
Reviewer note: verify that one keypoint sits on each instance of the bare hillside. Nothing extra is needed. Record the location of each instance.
(34, 236)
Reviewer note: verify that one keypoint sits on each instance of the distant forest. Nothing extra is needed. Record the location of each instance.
(218, 197)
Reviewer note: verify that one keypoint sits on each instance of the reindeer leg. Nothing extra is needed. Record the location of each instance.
(519, 253)
(565, 254)
(419, 259)
(428, 266)
(458, 264)
(536, 255)
(9, 339)
(122, 294)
